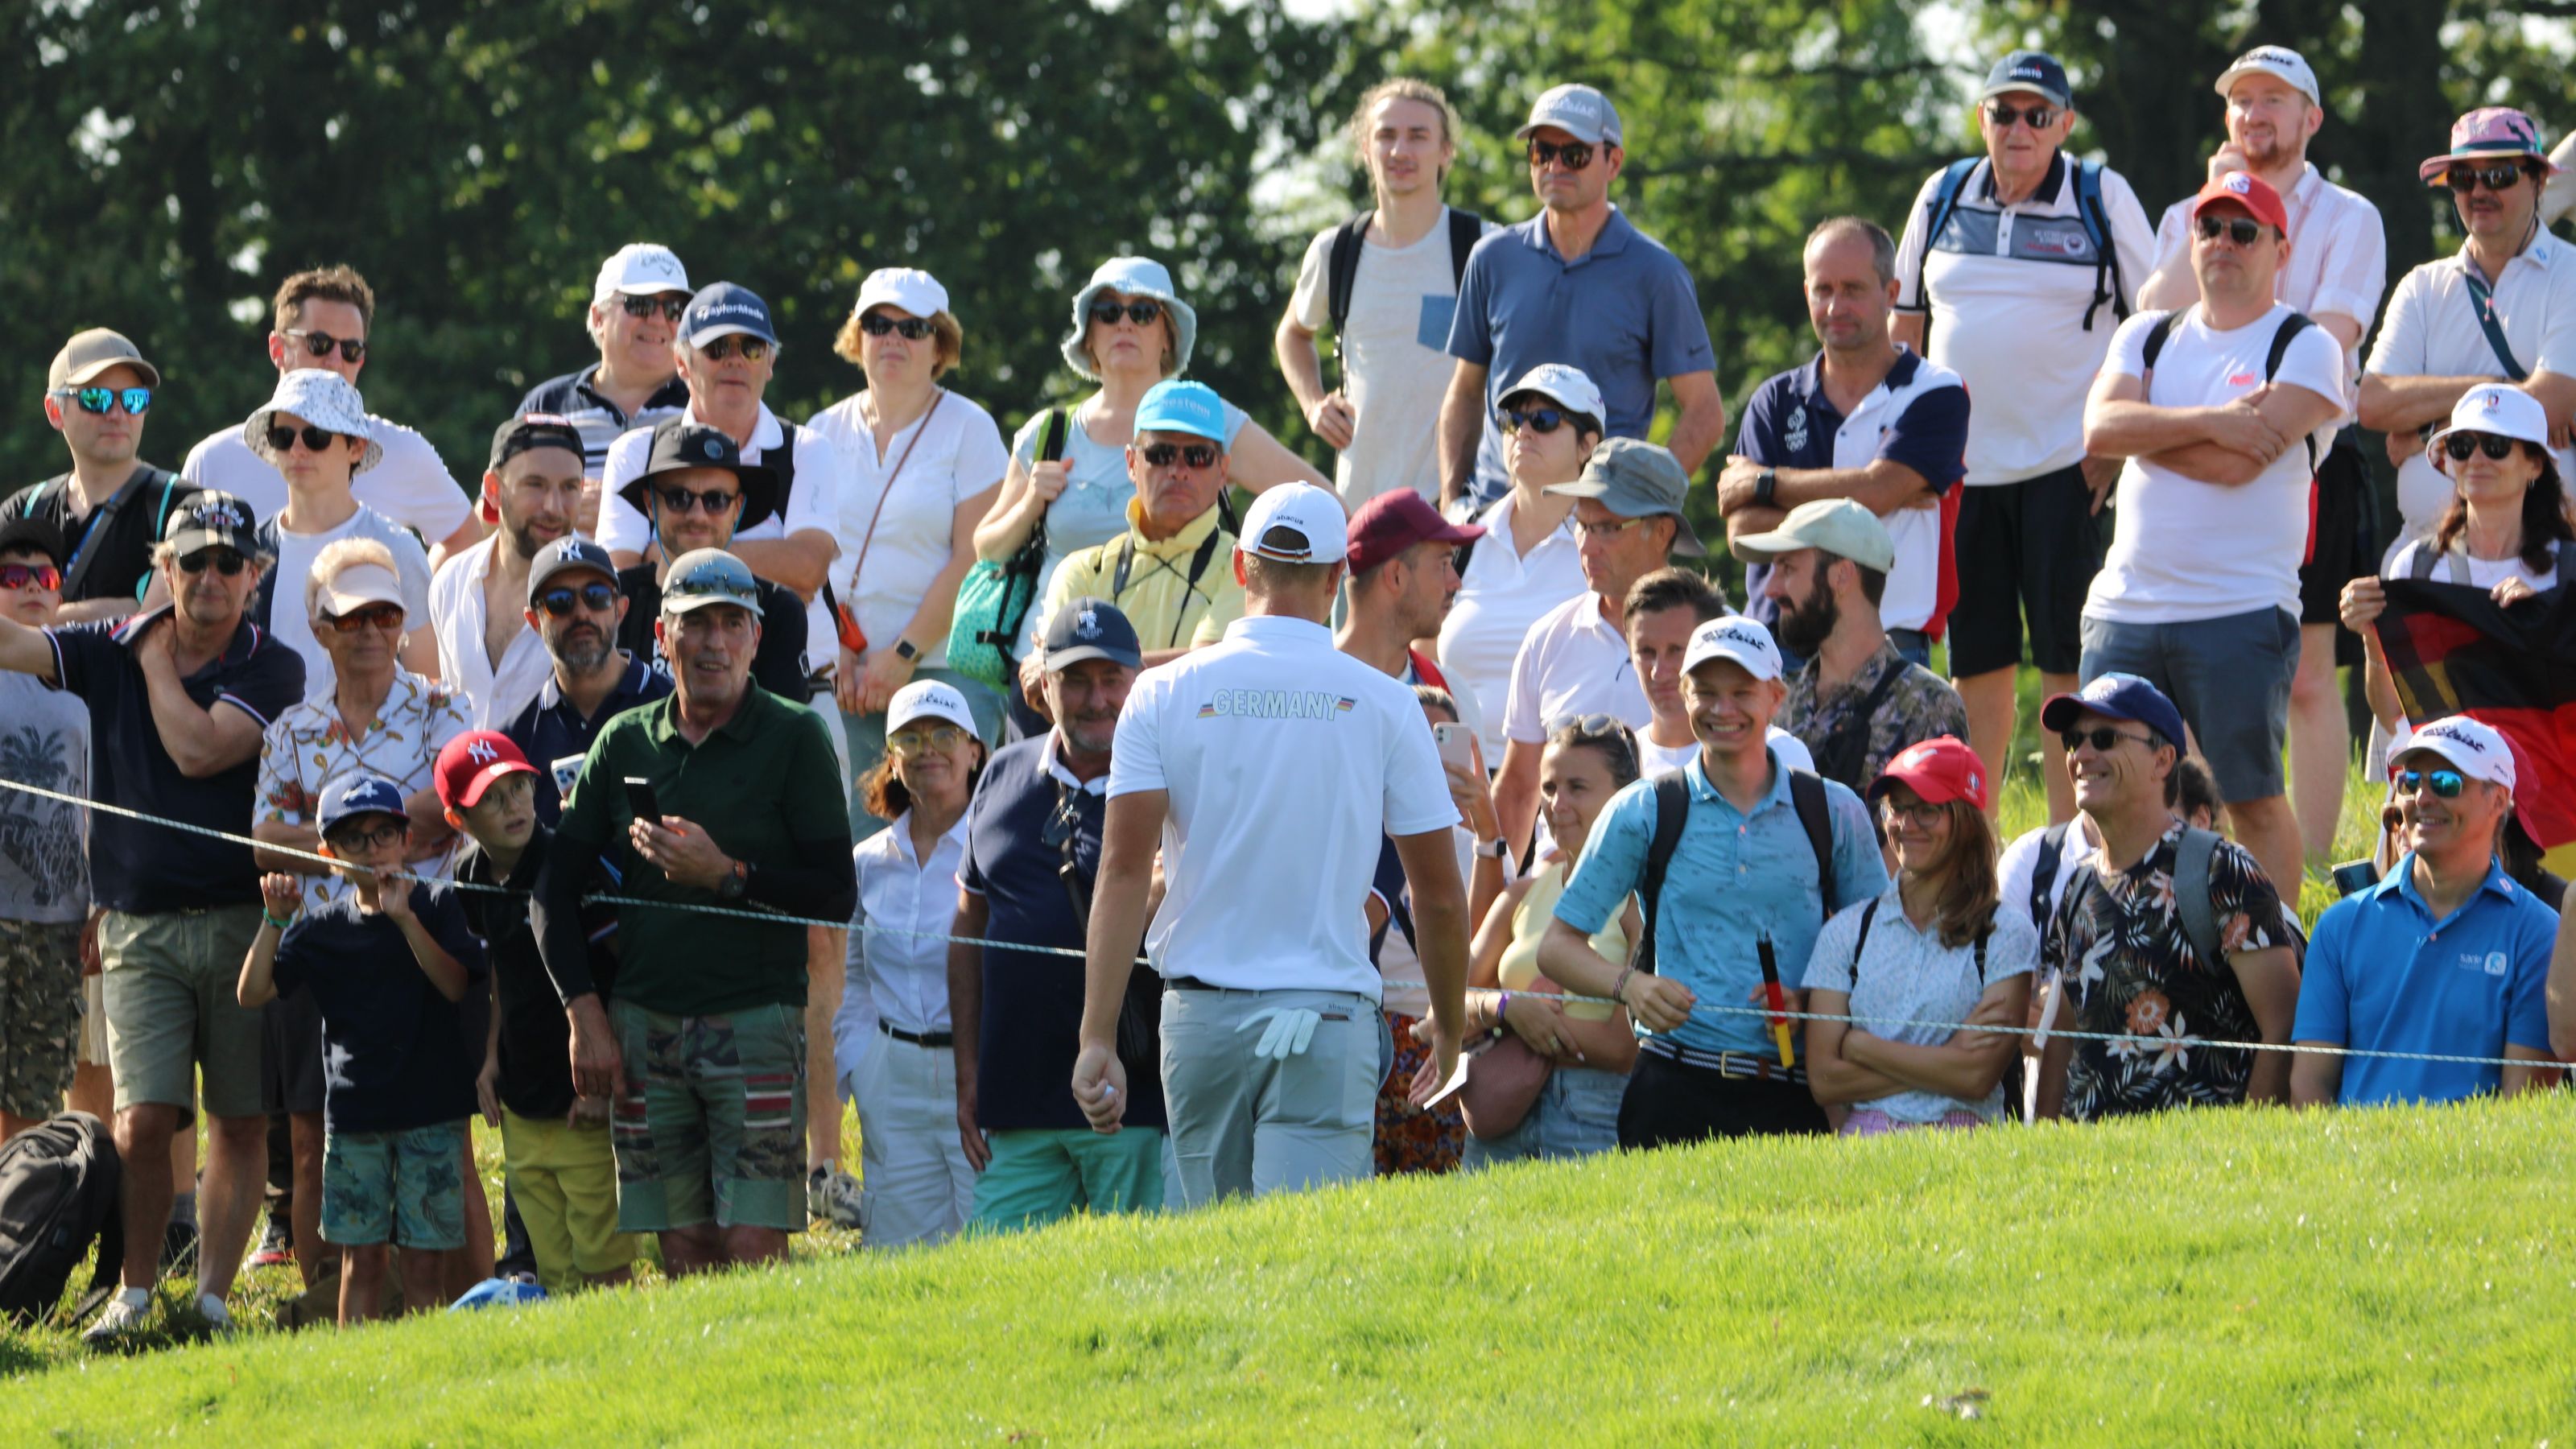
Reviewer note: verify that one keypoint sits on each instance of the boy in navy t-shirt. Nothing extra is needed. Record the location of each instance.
(387, 969)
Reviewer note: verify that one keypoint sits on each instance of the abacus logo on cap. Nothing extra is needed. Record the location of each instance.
(2236, 181)
(1086, 624)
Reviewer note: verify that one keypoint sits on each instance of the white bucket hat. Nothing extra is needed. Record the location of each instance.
(1136, 277)
(322, 399)
(2506, 412)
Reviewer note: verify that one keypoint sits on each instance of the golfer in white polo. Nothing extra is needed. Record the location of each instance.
(1266, 768)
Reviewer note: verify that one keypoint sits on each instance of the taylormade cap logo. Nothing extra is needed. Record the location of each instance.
(714, 310)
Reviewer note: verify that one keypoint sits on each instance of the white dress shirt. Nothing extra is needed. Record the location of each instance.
(897, 979)
(494, 693)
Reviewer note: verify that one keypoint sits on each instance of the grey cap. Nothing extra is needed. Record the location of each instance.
(1637, 479)
(1577, 110)
(707, 576)
(1837, 526)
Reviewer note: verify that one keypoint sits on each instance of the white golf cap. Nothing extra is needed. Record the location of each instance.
(929, 699)
(2480, 752)
(1738, 640)
(1311, 511)
(1571, 386)
(355, 587)
(2273, 60)
(640, 268)
(910, 288)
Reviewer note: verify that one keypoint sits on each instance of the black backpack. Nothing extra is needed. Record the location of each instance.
(1672, 807)
(2289, 329)
(58, 1194)
(1342, 261)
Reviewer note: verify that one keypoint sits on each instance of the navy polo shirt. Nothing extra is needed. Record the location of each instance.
(550, 729)
(1032, 1009)
(1625, 312)
(598, 420)
(2383, 975)
(137, 867)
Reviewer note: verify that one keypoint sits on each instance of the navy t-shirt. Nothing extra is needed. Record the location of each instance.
(393, 1048)
(138, 867)
(550, 729)
(536, 1039)
(1032, 1008)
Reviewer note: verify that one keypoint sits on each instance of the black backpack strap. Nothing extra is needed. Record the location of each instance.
(2043, 872)
(2192, 905)
(2282, 336)
(1342, 269)
(1807, 795)
(1672, 809)
(1052, 434)
(263, 597)
(2157, 336)
(2108, 285)
(1981, 954)
(1860, 942)
(1466, 229)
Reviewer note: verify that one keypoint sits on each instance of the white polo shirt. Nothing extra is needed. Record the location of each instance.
(1500, 595)
(2007, 291)
(2338, 254)
(955, 453)
(494, 693)
(2431, 331)
(2185, 550)
(1286, 760)
(1573, 661)
(409, 485)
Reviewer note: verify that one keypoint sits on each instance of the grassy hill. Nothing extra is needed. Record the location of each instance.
(2396, 1277)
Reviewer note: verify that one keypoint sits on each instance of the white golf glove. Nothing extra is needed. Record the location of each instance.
(1291, 1027)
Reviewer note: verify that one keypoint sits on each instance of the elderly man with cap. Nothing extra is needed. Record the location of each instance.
(111, 508)
(1858, 702)
(1267, 769)
(1574, 660)
(178, 696)
(323, 319)
(1575, 284)
(2167, 932)
(722, 795)
(695, 491)
(2445, 957)
(1032, 861)
(2214, 407)
(636, 304)
(575, 607)
(44, 885)
(1867, 420)
(1758, 857)
(478, 601)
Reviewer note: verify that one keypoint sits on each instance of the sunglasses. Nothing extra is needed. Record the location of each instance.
(2102, 738)
(2242, 230)
(2501, 176)
(1195, 455)
(224, 561)
(712, 500)
(352, 349)
(671, 308)
(19, 576)
(1062, 821)
(877, 324)
(1575, 155)
(914, 741)
(388, 617)
(2040, 117)
(1585, 724)
(316, 439)
(350, 842)
(598, 598)
(1537, 420)
(2461, 445)
(1108, 313)
(751, 348)
(2445, 784)
(99, 399)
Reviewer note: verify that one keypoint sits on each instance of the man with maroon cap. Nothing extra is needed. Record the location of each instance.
(2213, 405)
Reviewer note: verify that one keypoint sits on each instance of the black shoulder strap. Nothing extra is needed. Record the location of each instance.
(263, 597)
(2198, 913)
(1052, 434)
(2157, 336)
(1860, 942)
(1466, 229)
(1672, 809)
(1342, 269)
(1807, 794)
(2282, 336)
(2043, 872)
(1981, 954)
(781, 462)
(2482, 305)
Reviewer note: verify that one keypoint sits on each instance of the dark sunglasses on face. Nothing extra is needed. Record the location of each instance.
(1194, 455)
(671, 308)
(225, 561)
(598, 598)
(2445, 784)
(2501, 176)
(352, 349)
(1537, 420)
(315, 439)
(99, 399)
(2242, 230)
(1143, 313)
(19, 576)
(877, 324)
(2041, 117)
(751, 348)
(714, 500)
(373, 616)
(2102, 738)
(2461, 445)
(1574, 155)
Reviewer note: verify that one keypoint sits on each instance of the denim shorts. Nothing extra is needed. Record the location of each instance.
(2230, 678)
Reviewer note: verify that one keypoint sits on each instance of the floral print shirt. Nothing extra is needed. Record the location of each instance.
(2128, 969)
(308, 746)
(1849, 747)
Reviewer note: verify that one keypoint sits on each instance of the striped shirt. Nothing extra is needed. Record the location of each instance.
(597, 419)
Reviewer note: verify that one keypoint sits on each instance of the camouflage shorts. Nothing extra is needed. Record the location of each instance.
(709, 1124)
(406, 1188)
(40, 1015)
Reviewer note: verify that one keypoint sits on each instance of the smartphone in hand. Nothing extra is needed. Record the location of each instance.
(1456, 742)
(641, 800)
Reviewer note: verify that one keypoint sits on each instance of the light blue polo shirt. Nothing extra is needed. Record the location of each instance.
(1625, 312)
(1733, 877)
(2382, 974)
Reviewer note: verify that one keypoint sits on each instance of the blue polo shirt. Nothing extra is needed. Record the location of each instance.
(1733, 879)
(1625, 312)
(1032, 1009)
(550, 729)
(137, 867)
(2383, 975)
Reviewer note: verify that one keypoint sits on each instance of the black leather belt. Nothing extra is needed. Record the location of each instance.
(1188, 983)
(918, 1038)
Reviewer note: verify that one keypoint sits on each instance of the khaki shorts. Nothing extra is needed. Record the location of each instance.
(168, 980)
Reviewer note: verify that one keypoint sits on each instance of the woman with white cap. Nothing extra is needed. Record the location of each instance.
(921, 467)
(2501, 531)
(892, 1043)
(1130, 331)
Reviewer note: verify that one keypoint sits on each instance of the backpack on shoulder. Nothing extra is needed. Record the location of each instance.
(1672, 808)
(2161, 332)
(58, 1194)
(1342, 264)
(2109, 287)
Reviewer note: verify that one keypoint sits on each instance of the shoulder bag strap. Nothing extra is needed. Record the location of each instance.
(843, 615)
(1466, 229)
(101, 519)
(2482, 304)
(1860, 942)
(2191, 893)
(2043, 872)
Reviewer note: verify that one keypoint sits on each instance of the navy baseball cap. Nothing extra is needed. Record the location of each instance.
(1091, 628)
(2029, 70)
(2121, 696)
(213, 520)
(722, 309)
(569, 554)
(359, 795)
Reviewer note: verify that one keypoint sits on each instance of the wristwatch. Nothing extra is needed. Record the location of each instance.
(735, 882)
(1766, 489)
(1495, 849)
(904, 650)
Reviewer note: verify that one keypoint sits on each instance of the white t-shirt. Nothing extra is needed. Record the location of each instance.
(44, 864)
(292, 624)
(409, 485)
(956, 453)
(813, 502)
(2185, 550)
(2338, 254)
(1286, 760)
(1395, 362)
(493, 693)
(1787, 750)
(2482, 573)
(1572, 662)
(1500, 596)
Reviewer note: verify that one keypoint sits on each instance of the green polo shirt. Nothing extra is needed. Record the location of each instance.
(764, 780)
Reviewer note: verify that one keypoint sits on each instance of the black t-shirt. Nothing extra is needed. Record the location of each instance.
(138, 867)
(536, 1055)
(778, 665)
(1032, 1008)
(111, 546)
(393, 1048)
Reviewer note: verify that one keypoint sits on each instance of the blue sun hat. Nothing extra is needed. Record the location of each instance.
(1136, 277)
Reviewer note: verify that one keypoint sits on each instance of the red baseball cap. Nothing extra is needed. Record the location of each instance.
(1390, 523)
(471, 762)
(2250, 192)
(1940, 769)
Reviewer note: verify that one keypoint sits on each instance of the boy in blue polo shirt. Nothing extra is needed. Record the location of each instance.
(387, 966)
(2447, 956)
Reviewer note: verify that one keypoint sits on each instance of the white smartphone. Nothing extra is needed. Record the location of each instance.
(1457, 744)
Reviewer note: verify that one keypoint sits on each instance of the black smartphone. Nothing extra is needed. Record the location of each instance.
(2354, 876)
(640, 799)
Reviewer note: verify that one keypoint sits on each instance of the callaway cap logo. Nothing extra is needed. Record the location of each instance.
(2269, 56)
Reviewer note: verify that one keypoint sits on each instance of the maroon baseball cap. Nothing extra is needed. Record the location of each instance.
(1390, 523)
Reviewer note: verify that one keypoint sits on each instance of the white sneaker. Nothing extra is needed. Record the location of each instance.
(833, 1196)
(123, 1315)
(219, 1318)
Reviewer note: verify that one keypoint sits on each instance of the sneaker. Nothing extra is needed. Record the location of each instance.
(219, 1318)
(833, 1196)
(178, 1249)
(122, 1317)
(274, 1250)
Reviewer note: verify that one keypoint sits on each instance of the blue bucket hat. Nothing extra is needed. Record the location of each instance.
(1136, 277)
